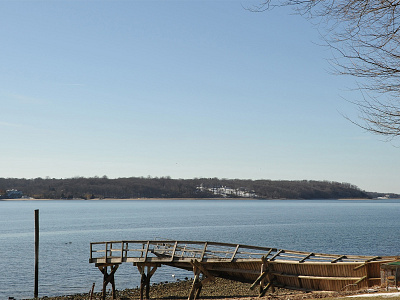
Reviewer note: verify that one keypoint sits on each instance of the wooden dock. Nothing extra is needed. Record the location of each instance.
(266, 268)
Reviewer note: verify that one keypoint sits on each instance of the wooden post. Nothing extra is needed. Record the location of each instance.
(91, 292)
(143, 282)
(265, 274)
(36, 290)
(198, 283)
(145, 278)
(262, 281)
(108, 278)
(195, 286)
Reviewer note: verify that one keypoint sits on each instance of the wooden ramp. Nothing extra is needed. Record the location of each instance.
(264, 267)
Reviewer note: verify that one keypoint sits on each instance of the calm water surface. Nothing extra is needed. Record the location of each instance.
(368, 227)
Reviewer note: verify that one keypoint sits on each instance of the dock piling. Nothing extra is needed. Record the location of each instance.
(36, 288)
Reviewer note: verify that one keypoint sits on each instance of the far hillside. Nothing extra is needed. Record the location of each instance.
(165, 187)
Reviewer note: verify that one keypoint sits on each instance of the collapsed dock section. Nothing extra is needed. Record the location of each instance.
(265, 268)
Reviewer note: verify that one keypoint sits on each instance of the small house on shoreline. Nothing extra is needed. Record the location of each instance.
(10, 194)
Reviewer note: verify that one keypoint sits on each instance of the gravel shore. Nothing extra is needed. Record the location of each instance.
(220, 289)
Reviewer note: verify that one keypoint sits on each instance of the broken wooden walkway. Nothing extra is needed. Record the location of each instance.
(264, 267)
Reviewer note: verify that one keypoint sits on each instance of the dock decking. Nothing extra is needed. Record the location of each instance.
(264, 267)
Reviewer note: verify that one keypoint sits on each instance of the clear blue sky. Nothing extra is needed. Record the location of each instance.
(177, 88)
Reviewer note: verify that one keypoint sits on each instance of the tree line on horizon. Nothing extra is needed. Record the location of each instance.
(166, 187)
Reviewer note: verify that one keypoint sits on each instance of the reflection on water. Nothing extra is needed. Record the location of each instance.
(67, 228)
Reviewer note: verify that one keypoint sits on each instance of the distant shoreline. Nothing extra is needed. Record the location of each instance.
(165, 188)
(166, 199)
(133, 199)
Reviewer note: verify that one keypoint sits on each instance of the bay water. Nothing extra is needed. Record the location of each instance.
(359, 227)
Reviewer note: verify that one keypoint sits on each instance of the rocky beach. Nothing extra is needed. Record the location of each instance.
(220, 289)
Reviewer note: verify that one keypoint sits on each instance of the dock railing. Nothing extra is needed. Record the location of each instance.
(183, 251)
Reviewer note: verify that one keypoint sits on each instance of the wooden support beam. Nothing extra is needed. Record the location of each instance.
(277, 254)
(265, 274)
(361, 279)
(106, 252)
(146, 251)
(234, 253)
(264, 290)
(183, 251)
(203, 270)
(338, 258)
(366, 262)
(108, 278)
(266, 266)
(198, 291)
(197, 285)
(122, 251)
(259, 279)
(307, 257)
(264, 261)
(145, 278)
(366, 269)
(173, 251)
(269, 252)
(204, 251)
(359, 266)
(373, 258)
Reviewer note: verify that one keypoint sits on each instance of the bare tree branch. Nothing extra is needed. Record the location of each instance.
(365, 35)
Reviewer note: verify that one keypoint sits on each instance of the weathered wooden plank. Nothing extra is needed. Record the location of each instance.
(315, 277)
